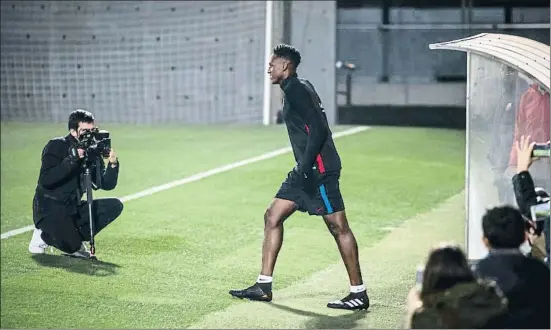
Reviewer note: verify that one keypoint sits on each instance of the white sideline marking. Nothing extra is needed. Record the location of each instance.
(201, 175)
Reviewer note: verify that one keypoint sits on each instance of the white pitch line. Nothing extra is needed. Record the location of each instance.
(201, 175)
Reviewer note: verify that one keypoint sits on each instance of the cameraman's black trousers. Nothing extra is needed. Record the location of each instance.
(67, 232)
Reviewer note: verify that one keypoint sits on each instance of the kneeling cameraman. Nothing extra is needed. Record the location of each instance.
(60, 215)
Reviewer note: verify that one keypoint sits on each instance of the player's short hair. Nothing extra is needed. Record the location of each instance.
(288, 52)
(504, 227)
(79, 116)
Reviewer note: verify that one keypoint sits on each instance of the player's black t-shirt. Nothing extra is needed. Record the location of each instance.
(308, 129)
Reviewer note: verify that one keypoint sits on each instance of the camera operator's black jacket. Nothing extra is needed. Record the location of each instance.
(526, 196)
(60, 184)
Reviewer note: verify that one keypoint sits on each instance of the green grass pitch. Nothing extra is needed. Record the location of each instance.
(169, 260)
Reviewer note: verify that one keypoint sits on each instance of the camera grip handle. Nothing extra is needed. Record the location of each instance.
(73, 153)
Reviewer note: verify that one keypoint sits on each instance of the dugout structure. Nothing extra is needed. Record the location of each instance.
(507, 95)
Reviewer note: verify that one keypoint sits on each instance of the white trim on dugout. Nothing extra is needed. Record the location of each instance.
(267, 53)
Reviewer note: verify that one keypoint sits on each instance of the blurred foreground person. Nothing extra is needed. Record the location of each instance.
(524, 280)
(451, 297)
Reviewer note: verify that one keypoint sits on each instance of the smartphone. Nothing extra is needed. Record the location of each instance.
(419, 277)
(541, 150)
(540, 212)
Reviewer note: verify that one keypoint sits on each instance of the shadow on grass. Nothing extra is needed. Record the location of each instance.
(321, 321)
(77, 265)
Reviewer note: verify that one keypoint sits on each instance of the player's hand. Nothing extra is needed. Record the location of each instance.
(524, 153)
(308, 181)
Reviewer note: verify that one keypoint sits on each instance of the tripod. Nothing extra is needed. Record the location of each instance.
(89, 201)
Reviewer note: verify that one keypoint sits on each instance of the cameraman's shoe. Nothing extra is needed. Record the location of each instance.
(37, 244)
(83, 253)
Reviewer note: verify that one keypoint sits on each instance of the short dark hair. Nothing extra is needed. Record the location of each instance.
(446, 267)
(288, 52)
(79, 116)
(504, 227)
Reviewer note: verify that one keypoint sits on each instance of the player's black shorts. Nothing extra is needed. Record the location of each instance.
(322, 197)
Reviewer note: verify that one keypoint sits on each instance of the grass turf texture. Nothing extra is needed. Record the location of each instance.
(170, 258)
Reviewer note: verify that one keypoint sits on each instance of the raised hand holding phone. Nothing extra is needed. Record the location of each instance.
(524, 153)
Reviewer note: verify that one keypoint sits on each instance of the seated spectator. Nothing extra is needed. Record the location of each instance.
(452, 297)
(524, 280)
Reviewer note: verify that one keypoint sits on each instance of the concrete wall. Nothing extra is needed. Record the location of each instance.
(133, 61)
(313, 32)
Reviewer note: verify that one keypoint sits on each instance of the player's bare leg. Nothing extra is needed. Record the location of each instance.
(346, 242)
(274, 217)
(348, 248)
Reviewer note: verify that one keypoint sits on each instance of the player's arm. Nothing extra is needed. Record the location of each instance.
(317, 130)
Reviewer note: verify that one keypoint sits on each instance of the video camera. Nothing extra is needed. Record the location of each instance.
(95, 142)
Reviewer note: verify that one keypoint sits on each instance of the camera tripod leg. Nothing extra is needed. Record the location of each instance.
(89, 201)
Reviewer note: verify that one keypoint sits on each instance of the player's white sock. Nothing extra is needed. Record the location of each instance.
(264, 279)
(357, 288)
(265, 283)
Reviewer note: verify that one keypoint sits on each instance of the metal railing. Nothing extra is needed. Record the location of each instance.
(443, 26)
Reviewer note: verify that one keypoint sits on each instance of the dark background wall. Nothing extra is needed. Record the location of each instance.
(398, 75)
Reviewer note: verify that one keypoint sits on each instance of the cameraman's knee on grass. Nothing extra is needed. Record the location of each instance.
(109, 208)
(106, 210)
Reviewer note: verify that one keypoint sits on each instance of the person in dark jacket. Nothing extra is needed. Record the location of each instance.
(525, 193)
(60, 215)
(452, 296)
(524, 280)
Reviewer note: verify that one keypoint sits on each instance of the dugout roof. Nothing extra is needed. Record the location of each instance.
(527, 56)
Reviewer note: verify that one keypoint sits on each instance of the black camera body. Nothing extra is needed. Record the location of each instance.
(95, 142)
